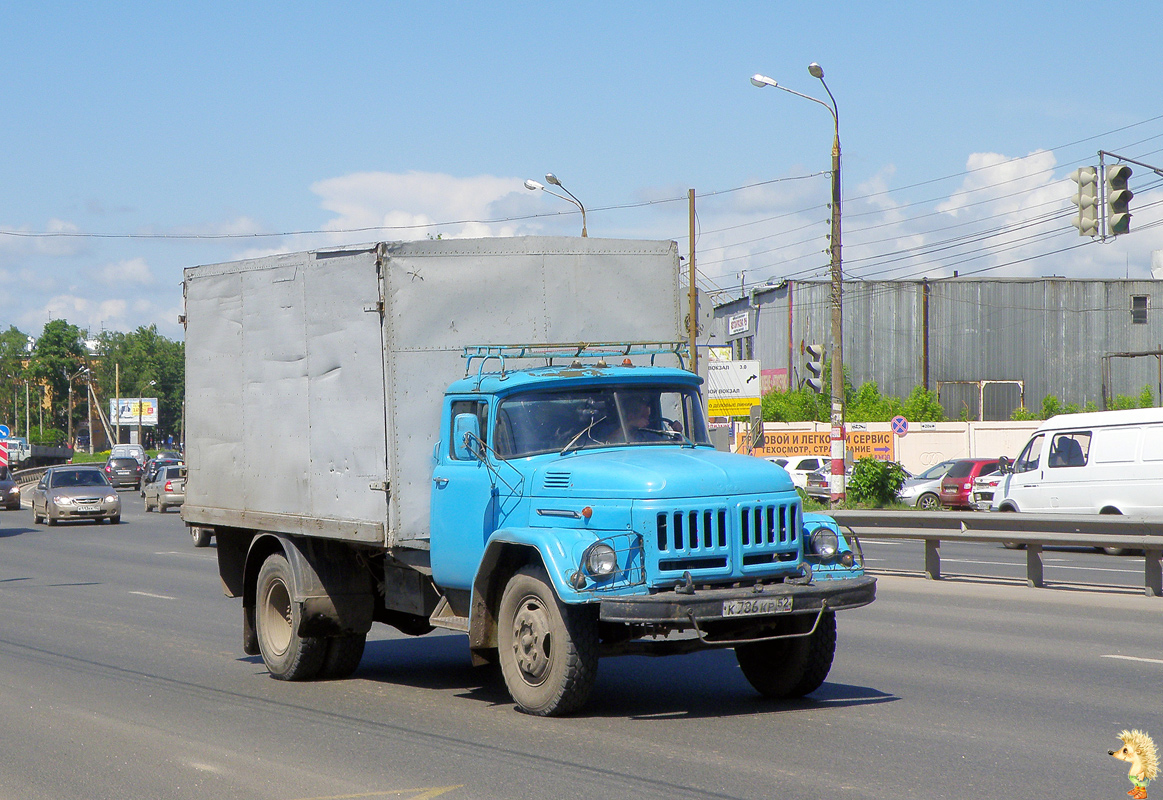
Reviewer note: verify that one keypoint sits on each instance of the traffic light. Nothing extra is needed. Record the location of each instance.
(1086, 198)
(1118, 199)
(814, 353)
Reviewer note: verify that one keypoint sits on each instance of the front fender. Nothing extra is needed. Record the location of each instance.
(509, 549)
(560, 550)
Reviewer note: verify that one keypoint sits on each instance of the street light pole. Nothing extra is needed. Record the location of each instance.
(533, 186)
(837, 405)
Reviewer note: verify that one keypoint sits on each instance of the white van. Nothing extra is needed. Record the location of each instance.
(1105, 462)
(128, 451)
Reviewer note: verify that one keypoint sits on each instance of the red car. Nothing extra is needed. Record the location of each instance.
(957, 485)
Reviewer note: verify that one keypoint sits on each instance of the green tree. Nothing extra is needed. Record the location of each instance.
(922, 405)
(875, 483)
(13, 354)
(57, 356)
(142, 356)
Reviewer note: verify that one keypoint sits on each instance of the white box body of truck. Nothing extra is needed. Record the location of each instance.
(314, 380)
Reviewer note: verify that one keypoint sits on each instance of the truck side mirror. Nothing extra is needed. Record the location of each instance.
(466, 437)
(1004, 465)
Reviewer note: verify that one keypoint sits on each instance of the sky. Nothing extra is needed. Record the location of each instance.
(142, 138)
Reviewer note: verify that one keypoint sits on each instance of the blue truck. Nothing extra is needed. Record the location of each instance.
(497, 437)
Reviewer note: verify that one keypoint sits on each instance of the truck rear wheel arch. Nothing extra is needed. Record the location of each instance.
(331, 584)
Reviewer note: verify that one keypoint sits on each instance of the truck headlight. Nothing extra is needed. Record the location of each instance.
(824, 542)
(600, 560)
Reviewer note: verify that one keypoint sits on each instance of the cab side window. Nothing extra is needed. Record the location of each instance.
(1028, 460)
(477, 407)
(1069, 450)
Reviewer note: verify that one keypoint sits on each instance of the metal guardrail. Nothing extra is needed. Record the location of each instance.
(1035, 531)
(24, 477)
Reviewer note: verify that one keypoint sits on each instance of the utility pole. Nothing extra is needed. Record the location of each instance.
(693, 294)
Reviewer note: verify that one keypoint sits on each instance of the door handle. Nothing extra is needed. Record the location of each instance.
(440, 482)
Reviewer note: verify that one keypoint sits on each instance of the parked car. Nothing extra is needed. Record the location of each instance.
(957, 485)
(9, 490)
(924, 490)
(799, 467)
(167, 489)
(819, 486)
(123, 471)
(73, 492)
(984, 490)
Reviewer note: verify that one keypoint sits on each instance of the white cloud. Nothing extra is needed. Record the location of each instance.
(131, 271)
(414, 205)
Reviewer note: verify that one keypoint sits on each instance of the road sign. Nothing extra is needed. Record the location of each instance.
(900, 425)
(733, 387)
(5, 432)
(3, 454)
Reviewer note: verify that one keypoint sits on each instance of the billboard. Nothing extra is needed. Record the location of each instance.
(133, 411)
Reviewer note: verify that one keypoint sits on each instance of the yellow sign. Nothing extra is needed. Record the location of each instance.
(880, 445)
(730, 406)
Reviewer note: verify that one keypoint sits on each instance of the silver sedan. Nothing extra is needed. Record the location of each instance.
(73, 493)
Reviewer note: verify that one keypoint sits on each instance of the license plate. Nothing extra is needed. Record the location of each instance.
(756, 607)
(88, 507)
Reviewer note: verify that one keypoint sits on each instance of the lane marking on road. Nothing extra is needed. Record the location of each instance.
(156, 596)
(1136, 658)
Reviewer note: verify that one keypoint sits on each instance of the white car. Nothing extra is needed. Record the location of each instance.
(983, 491)
(799, 467)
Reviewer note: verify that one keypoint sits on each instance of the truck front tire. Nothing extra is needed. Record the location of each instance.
(288, 656)
(785, 668)
(548, 650)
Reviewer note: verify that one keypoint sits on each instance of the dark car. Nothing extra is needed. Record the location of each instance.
(957, 485)
(123, 471)
(9, 490)
(74, 492)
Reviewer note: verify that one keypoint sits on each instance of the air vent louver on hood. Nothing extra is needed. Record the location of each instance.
(556, 480)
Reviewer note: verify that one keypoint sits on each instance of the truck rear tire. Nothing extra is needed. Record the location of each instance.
(343, 656)
(287, 655)
(784, 668)
(201, 536)
(548, 650)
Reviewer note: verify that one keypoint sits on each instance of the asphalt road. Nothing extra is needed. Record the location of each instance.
(121, 676)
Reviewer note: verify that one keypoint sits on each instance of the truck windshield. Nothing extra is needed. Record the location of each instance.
(598, 416)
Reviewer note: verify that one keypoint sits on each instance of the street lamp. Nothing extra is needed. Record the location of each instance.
(72, 378)
(837, 481)
(533, 186)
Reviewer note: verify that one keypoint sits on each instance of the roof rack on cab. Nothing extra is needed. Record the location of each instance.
(575, 351)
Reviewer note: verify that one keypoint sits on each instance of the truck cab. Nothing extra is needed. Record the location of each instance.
(597, 488)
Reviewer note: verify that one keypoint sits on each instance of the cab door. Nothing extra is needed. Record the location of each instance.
(463, 511)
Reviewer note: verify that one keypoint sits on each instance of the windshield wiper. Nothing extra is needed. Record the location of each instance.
(584, 431)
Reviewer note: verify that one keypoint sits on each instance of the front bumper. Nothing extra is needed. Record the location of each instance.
(705, 607)
(65, 513)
